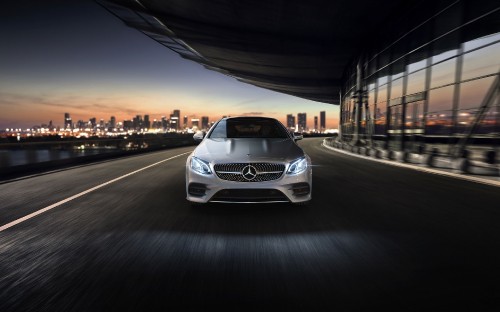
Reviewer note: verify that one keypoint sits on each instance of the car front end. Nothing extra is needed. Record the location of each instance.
(248, 160)
(249, 182)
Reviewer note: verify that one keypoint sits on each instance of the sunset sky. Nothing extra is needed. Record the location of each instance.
(75, 57)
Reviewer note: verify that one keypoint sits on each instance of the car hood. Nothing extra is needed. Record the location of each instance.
(248, 150)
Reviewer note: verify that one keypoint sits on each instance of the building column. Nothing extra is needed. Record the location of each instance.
(358, 95)
(341, 116)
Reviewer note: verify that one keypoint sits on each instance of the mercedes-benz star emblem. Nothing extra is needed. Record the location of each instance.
(249, 172)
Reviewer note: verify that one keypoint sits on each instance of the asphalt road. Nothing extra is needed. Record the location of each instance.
(373, 237)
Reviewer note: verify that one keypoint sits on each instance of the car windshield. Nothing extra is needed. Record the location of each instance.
(249, 128)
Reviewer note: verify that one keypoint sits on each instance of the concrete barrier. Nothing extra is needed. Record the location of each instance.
(4, 159)
(35, 166)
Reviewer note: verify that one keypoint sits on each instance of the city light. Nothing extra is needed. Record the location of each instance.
(140, 124)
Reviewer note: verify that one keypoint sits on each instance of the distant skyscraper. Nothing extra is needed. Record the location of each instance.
(93, 122)
(322, 121)
(290, 121)
(112, 122)
(195, 122)
(147, 123)
(154, 124)
(315, 123)
(137, 122)
(80, 124)
(302, 121)
(185, 123)
(175, 119)
(128, 124)
(174, 122)
(164, 123)
(68, 123)
(204, 122)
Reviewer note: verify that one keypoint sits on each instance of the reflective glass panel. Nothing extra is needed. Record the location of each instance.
(413, 118)
(439, 123)
(479, 42)
(416, 66)
(490, 123)
(443, 73)
(416, 82)
(346, 111)
(372, 109)
(397, 76)
(382, 94)
(371, 97)
(481, 62)
(409, 116)
(397, 88)
(380, 118)
(441, 99)
(465, 118)
(472, 93)
(382, 80)
(352, 105)
(395, 122)
(443, 56)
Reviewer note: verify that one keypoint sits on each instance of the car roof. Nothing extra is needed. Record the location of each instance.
(249, 117)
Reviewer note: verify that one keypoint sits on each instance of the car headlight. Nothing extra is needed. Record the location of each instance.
(200, 166)
(297, 166)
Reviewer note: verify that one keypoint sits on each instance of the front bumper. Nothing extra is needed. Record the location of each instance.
(203, 188)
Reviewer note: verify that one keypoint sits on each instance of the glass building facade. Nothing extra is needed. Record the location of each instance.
(432, 77)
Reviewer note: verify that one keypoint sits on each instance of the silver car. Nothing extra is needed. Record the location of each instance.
(248, 160)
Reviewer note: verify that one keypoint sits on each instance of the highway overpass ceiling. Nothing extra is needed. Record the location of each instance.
(301, 48)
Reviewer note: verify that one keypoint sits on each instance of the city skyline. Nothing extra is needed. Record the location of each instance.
(202, 122)
(79, 58)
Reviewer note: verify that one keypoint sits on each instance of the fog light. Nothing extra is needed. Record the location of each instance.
(197, 189)
(301, 189)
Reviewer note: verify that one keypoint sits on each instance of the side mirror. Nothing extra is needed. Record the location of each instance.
(198, 136)
(297, 136)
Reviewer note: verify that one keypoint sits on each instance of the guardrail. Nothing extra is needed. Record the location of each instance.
(33, 157)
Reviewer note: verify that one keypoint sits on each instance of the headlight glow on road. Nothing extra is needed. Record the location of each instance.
(297, 166)
(200, 166)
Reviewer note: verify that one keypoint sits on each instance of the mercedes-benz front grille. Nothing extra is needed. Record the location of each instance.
(249, 172)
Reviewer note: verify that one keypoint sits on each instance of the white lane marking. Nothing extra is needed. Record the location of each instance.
(422, 169)
(36, 213)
